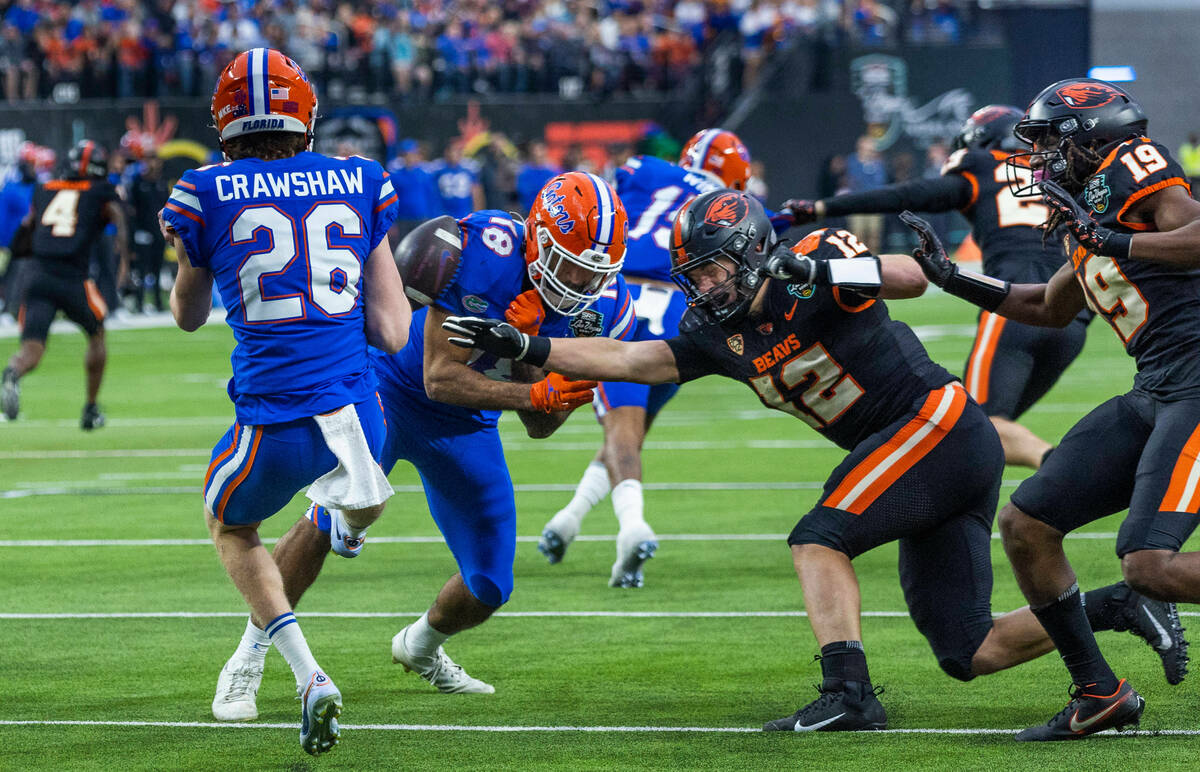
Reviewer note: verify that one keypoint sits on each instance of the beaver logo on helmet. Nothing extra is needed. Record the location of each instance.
(1084, 96)
(727, 211)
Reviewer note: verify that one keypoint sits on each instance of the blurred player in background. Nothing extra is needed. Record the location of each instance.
(147, 192)
(555, 274)
(1132, 231)
(1011, 365)
(806, 330)
(67, 217)
(297, 244)
(653, 190)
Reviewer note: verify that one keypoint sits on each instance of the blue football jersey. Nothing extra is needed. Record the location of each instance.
(491, 274)
(653, 191)
(286, 242)
(455, 185)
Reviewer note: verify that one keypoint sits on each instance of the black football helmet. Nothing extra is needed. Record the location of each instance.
(990, 128)
(721, 224)
(87, 159)
(1070, 126)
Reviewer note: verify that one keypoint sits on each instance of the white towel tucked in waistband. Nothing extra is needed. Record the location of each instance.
(357, 481)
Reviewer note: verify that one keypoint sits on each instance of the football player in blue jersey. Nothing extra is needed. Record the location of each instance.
(653, 190)
(297, 245)
(555, 274)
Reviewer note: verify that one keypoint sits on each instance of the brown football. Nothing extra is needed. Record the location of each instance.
(428, 258)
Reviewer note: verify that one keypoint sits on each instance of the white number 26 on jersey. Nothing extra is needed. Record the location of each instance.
(333, 272)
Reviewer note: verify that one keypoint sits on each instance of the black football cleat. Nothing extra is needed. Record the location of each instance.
(92, 418)
(10, 394)
(1087, 714)
(1157, 623)
(855, 707)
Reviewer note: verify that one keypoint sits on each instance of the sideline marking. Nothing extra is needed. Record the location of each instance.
(498, 729)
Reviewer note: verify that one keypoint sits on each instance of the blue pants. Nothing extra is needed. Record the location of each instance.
(467, 486)
(659, 310)
(256, 470)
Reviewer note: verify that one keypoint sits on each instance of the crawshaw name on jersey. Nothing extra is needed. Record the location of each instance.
(319, 182)
(780, 350)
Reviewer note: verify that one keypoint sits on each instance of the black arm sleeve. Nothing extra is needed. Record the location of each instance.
(940, 194)
(691, 359)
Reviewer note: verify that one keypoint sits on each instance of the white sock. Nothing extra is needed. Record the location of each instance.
(593, 487)
(627, 503)
(422, 639)
(346, 527)
(255, 643)
(285, 634)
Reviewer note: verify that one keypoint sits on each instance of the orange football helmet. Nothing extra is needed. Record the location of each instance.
(719, 153)
(575, 240)
(263, 90)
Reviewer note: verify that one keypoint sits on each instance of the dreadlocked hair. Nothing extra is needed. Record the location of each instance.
(265, 145)
(1082, 162)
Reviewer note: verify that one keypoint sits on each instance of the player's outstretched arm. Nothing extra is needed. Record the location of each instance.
(388, 313)
(191, 296)
(1053, 304)
(940, 194)
(902, 278)
(601, 359)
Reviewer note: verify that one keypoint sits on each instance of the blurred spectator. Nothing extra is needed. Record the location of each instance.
(417, 194)
(1189, 157)
(457, 182)
(865, 170)
(535, 173)
(147, 192)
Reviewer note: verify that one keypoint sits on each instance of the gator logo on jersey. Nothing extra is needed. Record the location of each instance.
(587, 324)
(1085, 96)
(1096, 194)
(802, 291)
(553, 201)
(727, 211)
(736, 344)
(475, 303)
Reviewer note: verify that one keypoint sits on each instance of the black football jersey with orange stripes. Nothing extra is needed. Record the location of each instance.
(834, 360)
(1004, 226)
(1154, 308)
(68, 217)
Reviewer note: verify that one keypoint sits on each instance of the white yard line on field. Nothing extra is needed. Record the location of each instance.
(514, 729)
(769, 537)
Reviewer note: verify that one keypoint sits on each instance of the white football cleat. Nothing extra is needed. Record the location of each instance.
(322, 704)
(557, 536)
(439, 670)
(340, 539)
(635, 545)
(237, 688)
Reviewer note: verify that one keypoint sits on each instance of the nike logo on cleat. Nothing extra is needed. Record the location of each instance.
(814, 727)
(1079, 727)
(1165, 641)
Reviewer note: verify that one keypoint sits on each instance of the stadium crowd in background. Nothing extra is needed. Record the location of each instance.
(423, 49)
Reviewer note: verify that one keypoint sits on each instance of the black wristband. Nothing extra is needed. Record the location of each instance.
(1117, 245)
(983, 291)
(537, 352)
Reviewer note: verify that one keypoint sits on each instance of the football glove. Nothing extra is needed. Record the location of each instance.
(786, 265)
(497, 338)
(857, 274)
(1091, 235)
(526, 312)
(555, 393)
(983, 291)
(803, 211)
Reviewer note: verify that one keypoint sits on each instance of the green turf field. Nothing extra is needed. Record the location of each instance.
(677, 675)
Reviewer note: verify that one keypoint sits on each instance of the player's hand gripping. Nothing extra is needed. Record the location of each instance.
(1091, 235)
(786, 265)
(803, 211)
(930, 255)
(555, 393)
(526, 312)
(497, 338)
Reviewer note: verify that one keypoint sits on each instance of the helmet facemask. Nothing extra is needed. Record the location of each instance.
(729, 297)
(584, 276)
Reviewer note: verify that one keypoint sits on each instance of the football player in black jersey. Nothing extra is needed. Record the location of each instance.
(1133, 236)
(66, 218)
(807, 330)
(1011, 365)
